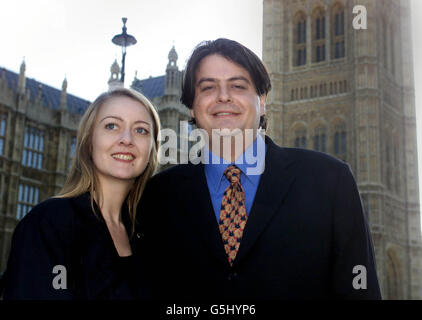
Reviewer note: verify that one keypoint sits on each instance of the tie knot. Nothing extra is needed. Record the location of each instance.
(232, 174)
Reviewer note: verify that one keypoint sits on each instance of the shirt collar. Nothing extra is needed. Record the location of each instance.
(216, 166)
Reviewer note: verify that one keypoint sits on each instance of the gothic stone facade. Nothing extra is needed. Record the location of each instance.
(350, 93)
(164, 93)
(346, 92)
(38, 127)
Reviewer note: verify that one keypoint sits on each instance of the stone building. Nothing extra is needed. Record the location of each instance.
(346, 92)
(350, 93)
(164, 92)
(38, 126)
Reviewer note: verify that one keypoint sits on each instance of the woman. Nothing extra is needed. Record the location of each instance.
(80, 244)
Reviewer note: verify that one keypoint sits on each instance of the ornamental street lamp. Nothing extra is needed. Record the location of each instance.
(123, 40)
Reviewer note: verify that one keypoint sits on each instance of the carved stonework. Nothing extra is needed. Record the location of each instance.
(360, 97)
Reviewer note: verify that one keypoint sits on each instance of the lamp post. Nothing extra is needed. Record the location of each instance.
(123, 40)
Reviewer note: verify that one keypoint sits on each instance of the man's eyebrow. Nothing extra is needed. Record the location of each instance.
(205, 80)
(239, 78)
(235, 78)
(118, 118)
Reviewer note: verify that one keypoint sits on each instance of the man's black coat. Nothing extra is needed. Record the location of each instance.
(305, 234)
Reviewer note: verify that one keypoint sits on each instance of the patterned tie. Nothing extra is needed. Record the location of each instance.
(232, 213)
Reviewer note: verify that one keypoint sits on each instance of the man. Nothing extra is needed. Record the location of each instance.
(295, 229)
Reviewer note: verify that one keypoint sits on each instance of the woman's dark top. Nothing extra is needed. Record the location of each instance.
(62, 250)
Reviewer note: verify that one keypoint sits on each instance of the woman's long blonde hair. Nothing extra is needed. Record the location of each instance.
(82, 177)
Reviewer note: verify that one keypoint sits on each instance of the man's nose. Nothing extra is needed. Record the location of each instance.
(224, 95)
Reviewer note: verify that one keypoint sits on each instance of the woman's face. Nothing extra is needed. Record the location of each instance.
(122, 140)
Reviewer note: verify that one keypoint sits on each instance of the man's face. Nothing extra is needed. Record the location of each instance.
(225, 96)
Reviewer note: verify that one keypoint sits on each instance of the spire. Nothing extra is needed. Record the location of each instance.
(136, 83)
(39, 92)
(22, 79)
(172, 57)
(172, 74)
(64, 84)
(115, 68)
(63, 97)
(114, 81)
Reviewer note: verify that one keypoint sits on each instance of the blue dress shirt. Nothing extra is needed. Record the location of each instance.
(218, 183)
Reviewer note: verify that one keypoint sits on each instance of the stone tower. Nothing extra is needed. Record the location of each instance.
(170, 109)
(164, 92)
(114, 82)
(173, 75)
(350, 93)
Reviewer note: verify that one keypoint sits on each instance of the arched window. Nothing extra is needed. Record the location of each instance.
(340, 141)
(396, 163)
(300, 138)
(389, 176)
(393, 56)
(299, 51)
(71, 152)
(338, 48)
(320, 139)
(388, 161)
(318, 35)
(3, 120)
(323, 89)
(385, 42)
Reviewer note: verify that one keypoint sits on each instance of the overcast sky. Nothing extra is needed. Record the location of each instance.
(72, 38)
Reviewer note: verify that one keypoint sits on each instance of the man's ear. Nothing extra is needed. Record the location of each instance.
(192, 114)
(262, 100)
